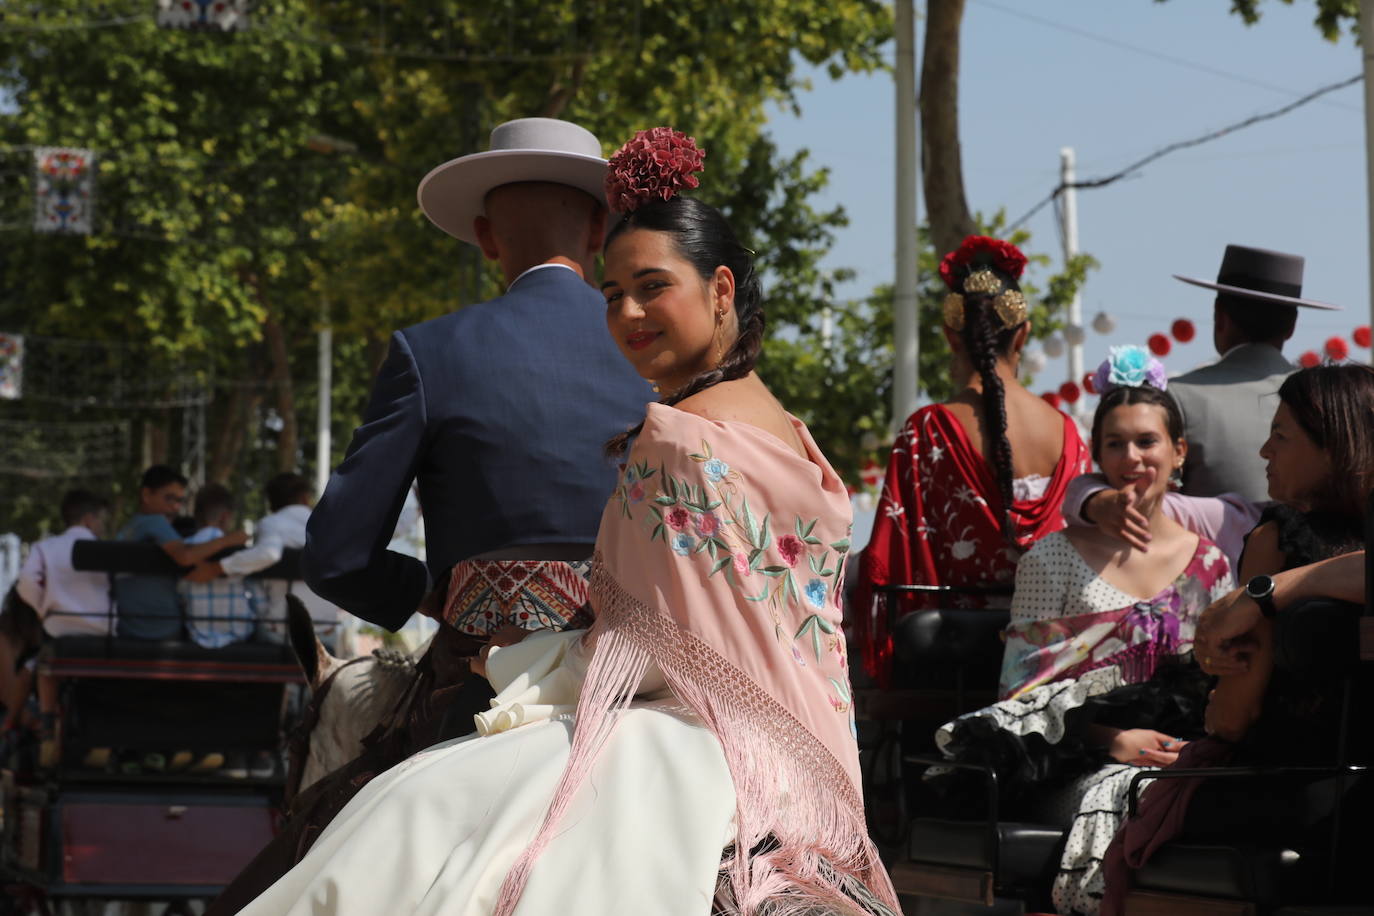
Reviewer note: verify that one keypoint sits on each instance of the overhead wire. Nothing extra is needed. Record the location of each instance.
(1182, 144)
(1149, 52)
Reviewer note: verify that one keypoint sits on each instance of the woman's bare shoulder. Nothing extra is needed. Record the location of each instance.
(727, 401)
(741, 402)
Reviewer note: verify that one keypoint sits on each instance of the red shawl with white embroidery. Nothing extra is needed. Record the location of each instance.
(939, 522)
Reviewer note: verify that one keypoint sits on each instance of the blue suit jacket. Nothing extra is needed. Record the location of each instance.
(501, 411)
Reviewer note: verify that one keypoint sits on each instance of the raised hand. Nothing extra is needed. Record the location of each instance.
(1116, 513)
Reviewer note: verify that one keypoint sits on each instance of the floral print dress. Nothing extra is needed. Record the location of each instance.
(1077, 644)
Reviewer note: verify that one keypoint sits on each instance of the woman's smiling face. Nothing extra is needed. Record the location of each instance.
(666, 320)
(1136, 449)
(1298, 469)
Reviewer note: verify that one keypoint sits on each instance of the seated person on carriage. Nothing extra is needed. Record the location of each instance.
(290, 498)
(148, 606)
(224, 610)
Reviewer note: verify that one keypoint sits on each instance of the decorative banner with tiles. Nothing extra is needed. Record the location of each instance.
(221, 15)
(11, 366)
(64, 189)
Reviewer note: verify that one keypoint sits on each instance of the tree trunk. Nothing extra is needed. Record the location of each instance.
(562, 91)
(288, 440)
(941, 161)
(241, 406)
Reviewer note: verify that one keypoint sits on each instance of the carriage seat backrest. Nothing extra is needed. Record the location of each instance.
(951, 636)
(142, 558)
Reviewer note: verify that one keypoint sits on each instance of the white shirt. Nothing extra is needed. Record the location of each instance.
(283, 529)
(79, 602)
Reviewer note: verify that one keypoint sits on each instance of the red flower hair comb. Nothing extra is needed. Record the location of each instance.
(655, 163)
(973, 267)
(981, 251)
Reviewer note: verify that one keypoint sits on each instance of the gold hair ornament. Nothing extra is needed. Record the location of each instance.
(954, 311)
(1008, 304)
(1010, 307)
(982, 281)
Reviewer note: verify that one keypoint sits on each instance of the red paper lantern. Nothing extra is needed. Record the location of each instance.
(1090, 383)
(1362, 336)
(1159, 345)
(1069, 392)
(1337, 348)
(1051, 399)
(1183, 330)
(1309, 359)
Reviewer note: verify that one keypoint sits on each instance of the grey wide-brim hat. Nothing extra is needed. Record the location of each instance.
(1262, 275)
(527, 149)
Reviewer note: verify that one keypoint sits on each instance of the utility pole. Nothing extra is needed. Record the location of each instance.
(906, 380)
(324, 444)
(1367, 57)
(1068, 202)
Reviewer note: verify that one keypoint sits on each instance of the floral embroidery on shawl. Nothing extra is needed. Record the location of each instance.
(939, 522)
(692, 576)
(709, 517)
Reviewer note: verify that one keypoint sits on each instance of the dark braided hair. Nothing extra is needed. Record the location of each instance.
(703, 237)
(984, 341)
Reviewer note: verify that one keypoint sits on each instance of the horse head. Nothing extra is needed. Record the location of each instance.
(350, 698)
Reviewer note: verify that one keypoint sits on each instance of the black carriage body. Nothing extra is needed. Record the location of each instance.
(74, 831)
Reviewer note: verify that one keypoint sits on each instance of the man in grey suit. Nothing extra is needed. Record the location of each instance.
(1228, 405)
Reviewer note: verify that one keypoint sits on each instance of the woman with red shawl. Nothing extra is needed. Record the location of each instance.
(974, 481)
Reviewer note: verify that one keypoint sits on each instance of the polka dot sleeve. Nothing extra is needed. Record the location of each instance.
(1041, 581)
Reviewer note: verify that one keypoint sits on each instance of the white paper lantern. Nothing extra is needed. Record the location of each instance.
(1073, 335)
(1033, 361)
(1054, 347)
(864, 501)
(1104, 323)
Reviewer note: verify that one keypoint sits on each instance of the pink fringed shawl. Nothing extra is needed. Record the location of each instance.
(720, 558)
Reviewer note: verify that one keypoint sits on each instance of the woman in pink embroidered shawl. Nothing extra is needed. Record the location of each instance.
(693, 752)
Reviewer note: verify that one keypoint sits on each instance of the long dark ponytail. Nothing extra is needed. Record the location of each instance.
(985, 340)
(704, 238)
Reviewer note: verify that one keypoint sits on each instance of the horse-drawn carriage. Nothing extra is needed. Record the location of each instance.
(77, 829)
(995, 861)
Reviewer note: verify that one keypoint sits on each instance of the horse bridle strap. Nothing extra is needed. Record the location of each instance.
(298, 744)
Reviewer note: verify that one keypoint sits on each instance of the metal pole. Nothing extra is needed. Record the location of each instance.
(906, 380)
(1069, 201)
(323, 439)
(1367, 55)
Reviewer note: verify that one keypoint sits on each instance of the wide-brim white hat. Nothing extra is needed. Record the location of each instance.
(527, 149)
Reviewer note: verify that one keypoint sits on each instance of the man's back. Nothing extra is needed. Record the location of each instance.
(282, 530)
(147, 607)
(69, 602)
(1227, 408)
(500, 411)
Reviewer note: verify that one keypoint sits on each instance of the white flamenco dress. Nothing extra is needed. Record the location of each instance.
(437, 834)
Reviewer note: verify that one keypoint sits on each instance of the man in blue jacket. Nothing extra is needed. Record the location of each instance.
(499, 410)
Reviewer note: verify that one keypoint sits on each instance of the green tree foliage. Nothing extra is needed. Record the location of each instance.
(250, 181)
(830, 380)
(1330, 14)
